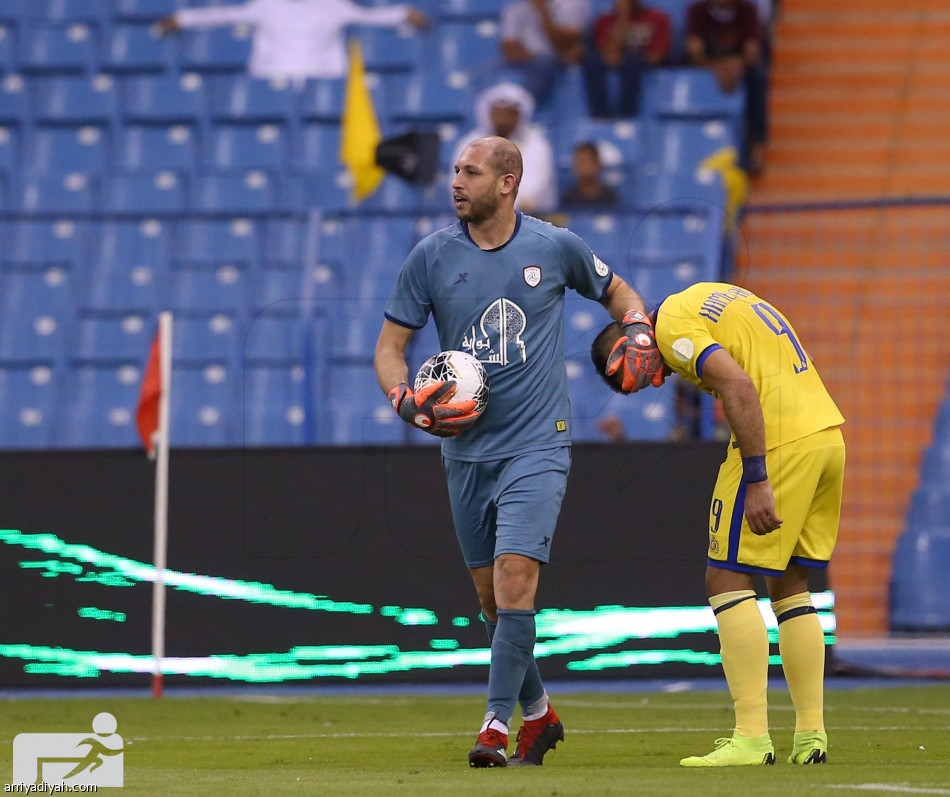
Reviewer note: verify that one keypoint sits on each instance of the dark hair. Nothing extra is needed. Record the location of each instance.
(600, 350)
(506, 159)
(590, 145)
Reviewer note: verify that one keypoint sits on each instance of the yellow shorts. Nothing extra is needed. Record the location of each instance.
(807, 477)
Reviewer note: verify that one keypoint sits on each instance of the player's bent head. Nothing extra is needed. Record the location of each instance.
(600, 350)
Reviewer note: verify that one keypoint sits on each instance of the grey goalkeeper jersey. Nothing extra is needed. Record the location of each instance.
(506, 307)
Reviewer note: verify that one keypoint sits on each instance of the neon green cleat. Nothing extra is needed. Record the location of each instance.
(810, 747)
(736, 751)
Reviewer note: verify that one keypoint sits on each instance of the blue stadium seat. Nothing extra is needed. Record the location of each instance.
(690, 93)
(457, 47)
(205, 339)
(275, 339)
(113, 338)
(35, 245)
(276, 411)
(655, 281)
(468, 8)
(326, 191)
(239, 98)
(388, 49)
(282, 292)
(318, 148)
(27, 406)
(222, 290)
(429, 97)
(253, 192)
(603, 233)
(58, 49)
(76, 100)
(15, 105)
(216, 50)
(396, 195)
(10, 163)
(619, 142)
(34, 314)
(137, 49)
(10, 11)
(208, 244)
(144, 10)
(63, 11)
(102, 406)
(919, 600)
(165, 99)
(56, 152)
(137, 290)
(356, 410)
(583, 319)
(136, 193)
(663, 234)
(322, 100)
(680, 145)
(70, 194)
(241, 148)
(205, 406)
(139, 251)
(8, 62)
(151, 149)
(288, 244)
(679, 190)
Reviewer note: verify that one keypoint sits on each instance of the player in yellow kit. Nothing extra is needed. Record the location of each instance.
(775, 506)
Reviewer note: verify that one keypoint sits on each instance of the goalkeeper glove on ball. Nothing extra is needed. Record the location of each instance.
(432, 409)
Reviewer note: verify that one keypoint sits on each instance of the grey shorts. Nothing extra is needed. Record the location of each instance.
(507, 505)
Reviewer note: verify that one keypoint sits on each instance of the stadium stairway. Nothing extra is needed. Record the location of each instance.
(861, 111)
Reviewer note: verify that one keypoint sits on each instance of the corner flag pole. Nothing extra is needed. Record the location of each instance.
(161, 502)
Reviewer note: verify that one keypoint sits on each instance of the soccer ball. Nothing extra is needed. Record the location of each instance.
(461, 367)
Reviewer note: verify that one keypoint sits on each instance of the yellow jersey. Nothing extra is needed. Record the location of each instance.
(692, 324)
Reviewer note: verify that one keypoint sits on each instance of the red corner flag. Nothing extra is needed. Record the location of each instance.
(147, 415)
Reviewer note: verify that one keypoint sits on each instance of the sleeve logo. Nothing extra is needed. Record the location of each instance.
(600, 267)
(683, 349)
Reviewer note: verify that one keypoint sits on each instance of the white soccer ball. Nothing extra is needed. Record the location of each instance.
(458, 366)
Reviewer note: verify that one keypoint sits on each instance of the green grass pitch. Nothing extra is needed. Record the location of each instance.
(882, 741)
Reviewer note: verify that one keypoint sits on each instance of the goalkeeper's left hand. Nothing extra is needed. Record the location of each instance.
(635, 355)
(432, 408)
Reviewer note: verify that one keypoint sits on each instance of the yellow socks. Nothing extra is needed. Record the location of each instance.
(744, 646)
(802, 645)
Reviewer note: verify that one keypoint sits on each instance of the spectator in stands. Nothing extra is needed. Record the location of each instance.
(589, 192)
(295, 39)
(505, 110)
(629, 39)
(538, 37)
(725, 36)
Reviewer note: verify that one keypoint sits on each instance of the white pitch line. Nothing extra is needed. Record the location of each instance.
(899, 788)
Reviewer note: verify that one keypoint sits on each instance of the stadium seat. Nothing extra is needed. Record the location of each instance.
(28, 400)
(603, 233)
(222, 290)
(282, 292)
(240, 148)
(396, 195)
(356, 409)
(275, 339)
(680, 145)
(145, 10)
(690, 93)
(139, 289)
(36, 245)
(239, 98)
(151, 149)
(63, 11)
(101, 409)
(135, 193)
(275, 406)
(204, 339)
(330, 192)
(619, 142)
(164, 99)
(663, 234)
(205, 406)
(113, 338)
(15, 105)
(253, 192)
(56, 152)
(76, 100)
(216, 50)
(10, 163)
(655, 281)
(58, 49)
(209, 244)
(138, 250)
(8, 62)
(430, 97)
(137, 49)
(468, 8)
(388, 49)
(318, 148)
(34, 331)
(679, 190)
(457, 47)
(288, 244)
(322, 100)
(71, 193)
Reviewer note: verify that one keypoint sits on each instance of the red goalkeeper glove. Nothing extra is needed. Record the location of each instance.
(432, 408)
(636, 356)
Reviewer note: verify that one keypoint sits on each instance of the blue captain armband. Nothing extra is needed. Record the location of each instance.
(753, 470)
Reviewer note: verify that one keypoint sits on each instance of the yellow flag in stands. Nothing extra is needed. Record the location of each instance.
(360, 134)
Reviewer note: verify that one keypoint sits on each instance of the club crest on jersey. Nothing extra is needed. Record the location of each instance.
(600, 267)
(532, 275)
